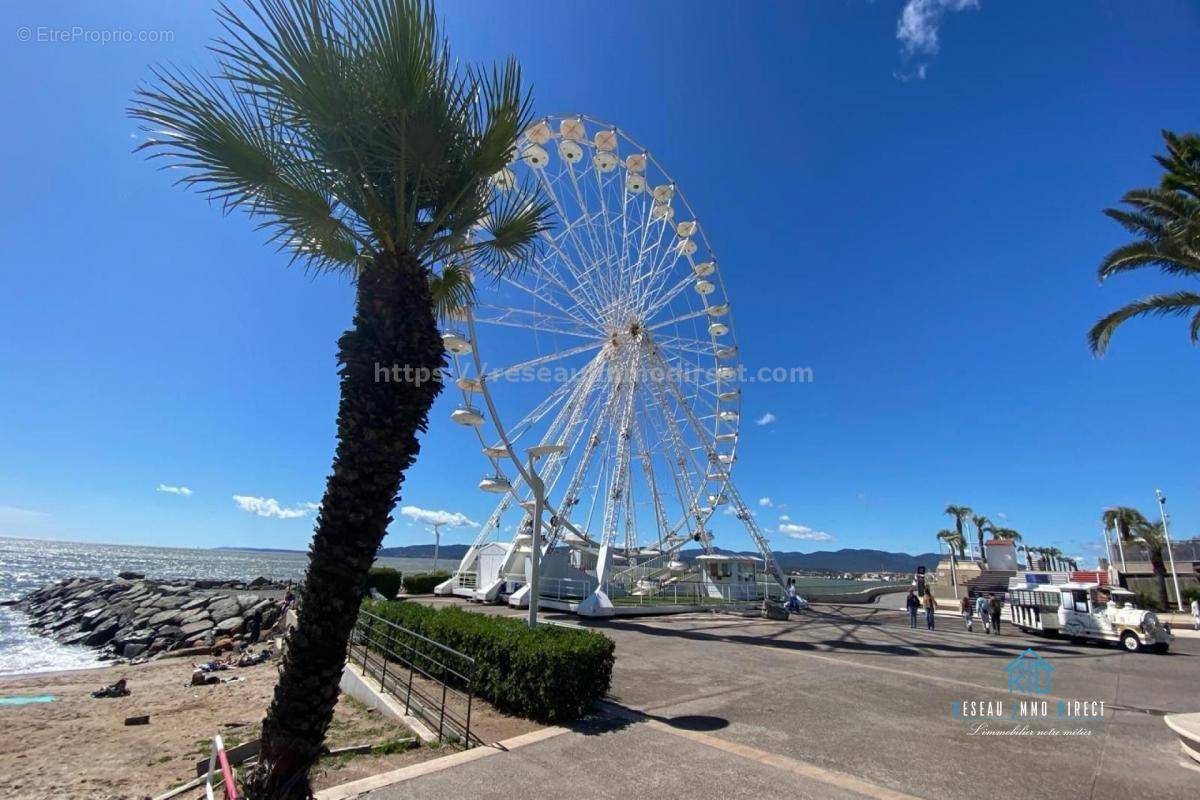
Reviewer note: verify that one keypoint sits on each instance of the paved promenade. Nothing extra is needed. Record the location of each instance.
(844, 702)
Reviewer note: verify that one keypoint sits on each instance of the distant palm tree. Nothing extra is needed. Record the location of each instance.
(959, 513)
(982, 525)
(349, 132)
(1029, 551)
(1152, 537)
(954, 541)
(1166, 222)
(1006, 534)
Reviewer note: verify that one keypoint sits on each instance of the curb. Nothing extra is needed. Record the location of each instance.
(353, 789)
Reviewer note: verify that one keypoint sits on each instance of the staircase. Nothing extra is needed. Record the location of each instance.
(989, 581)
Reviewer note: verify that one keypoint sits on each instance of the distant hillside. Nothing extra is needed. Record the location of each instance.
(847, 560)
(448, 551)
(835, 560)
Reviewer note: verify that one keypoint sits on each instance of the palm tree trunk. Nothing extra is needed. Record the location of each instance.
(1160, 577)
(377, 427)
(982, 550)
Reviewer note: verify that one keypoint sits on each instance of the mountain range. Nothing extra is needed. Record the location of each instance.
(845, 560)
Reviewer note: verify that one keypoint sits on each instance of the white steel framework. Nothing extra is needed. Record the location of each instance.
(621, 368)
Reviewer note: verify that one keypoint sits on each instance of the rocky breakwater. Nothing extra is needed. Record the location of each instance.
(131, 617)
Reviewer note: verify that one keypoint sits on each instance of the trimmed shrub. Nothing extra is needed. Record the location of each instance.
(386, 580)
(550, 674)
(423, 582)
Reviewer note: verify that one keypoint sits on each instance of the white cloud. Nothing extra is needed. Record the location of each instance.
(765, 502)
(917, 30)
(180, 490)
(270, 507)
(765, 419)
(427, 516)
(1002, 515)
(784, 518)
(804, 533)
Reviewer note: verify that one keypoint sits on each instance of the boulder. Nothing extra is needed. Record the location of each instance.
(259, 582)
(170, 601)
(131, 576)
(229, 625)
(247, 601)
(133, 650)
(169, 632)
(196, 602)
(101, 634)
(192, 628)
(195, 615)
(163, 617)
(224, 607)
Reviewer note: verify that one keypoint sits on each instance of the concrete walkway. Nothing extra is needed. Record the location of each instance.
(843, 703)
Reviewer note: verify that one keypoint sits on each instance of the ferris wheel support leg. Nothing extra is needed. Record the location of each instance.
(597, 604)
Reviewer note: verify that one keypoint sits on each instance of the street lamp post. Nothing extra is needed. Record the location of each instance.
(1162, 509)
(535, 554)
(437, 543)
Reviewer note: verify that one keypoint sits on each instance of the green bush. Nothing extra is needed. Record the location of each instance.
(550, 674)
(386, 580)
(423, 582)
(1189, 594)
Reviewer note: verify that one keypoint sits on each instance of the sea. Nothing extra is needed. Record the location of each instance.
(27, 564)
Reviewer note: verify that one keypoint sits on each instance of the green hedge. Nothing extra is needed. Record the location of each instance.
(386, 580)
(423, 582)
(550, 674)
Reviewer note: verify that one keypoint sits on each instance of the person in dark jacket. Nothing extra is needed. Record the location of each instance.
(994, 606)
(255, 626)
(913, 604)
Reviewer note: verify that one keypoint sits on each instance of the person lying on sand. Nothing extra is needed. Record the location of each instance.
(248, 659)
(117, 689)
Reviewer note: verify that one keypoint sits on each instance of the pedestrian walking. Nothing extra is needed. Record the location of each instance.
(1196, 613)
(930, 607)
(964, 608)
(984, 610)
(913, 604)
(994, 605)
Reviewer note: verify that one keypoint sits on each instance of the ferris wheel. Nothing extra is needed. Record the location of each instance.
(609, 365)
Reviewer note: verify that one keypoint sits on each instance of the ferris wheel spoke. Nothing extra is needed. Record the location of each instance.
(568, 232)
(516, 369)
(528, 319)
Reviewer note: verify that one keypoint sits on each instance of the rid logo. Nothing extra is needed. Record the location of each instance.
(1029, 674)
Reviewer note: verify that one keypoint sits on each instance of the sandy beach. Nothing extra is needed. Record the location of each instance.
(78, 746)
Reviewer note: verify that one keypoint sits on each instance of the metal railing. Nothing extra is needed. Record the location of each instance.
(436, 683)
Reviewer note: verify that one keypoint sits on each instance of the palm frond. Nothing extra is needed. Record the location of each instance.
(1178, 304)
(452, 289)
(1165, 255)
(230, 152)
(349, 129)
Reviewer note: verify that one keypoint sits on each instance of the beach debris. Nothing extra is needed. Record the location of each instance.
(118, 689)
(24, 700)
(141, 719)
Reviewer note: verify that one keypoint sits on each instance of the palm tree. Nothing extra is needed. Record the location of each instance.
(954, 541)
(1122, 520)
(1152, 537)
(982, 525)
(346, 129)
(1053, 556)
(959, 513)
(1166, 222)
(1006, 534)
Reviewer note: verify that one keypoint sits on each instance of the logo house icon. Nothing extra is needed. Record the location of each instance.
(1029, 673)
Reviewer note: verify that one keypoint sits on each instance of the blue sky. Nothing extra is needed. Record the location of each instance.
(917, 220)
